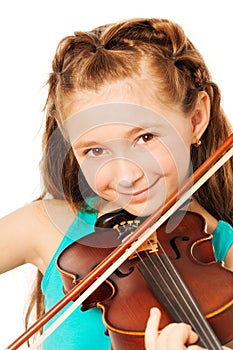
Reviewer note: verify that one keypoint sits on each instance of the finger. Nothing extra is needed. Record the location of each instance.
(151, 333)
(192, 336)
(175, 336)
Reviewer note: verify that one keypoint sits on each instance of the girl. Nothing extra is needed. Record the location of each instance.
(131, 112)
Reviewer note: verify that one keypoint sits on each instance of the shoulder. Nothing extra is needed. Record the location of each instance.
(42, 213)
(57, 213)
(223, 243)
(52, 218)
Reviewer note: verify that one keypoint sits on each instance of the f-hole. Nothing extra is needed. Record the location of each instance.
(119, 273)
(175, 247)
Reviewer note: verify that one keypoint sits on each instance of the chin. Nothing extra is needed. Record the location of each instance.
(145, 209)
(137, 211)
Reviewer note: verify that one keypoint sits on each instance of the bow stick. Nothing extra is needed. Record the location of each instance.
(133, 241)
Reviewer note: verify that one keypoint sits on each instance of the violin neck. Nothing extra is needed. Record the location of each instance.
(173, 294)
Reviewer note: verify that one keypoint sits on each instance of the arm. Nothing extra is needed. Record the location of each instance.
(30, 234)
(17, 237)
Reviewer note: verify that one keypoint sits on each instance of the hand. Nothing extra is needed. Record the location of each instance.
(172, 337)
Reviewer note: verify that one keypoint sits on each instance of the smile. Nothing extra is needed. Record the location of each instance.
(140, 194)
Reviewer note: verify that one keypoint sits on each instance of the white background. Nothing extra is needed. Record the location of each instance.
(29, 33)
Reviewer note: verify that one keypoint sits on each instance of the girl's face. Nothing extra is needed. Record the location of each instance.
(133, 150)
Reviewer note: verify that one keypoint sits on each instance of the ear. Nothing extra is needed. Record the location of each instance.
(201, 115)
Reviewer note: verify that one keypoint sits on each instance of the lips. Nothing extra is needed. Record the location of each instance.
(140, 192)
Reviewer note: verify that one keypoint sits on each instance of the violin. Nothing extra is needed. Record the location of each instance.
(122, 260)
(182, 282)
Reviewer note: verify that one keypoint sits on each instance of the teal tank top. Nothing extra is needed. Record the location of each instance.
(81, 330)
(85, 330)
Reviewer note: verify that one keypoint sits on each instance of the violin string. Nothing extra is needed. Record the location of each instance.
(120, 260)
(205, 323)
(160, 278)
(197, 326)
(208, 333)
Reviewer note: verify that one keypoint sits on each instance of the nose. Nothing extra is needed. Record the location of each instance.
(126, 174)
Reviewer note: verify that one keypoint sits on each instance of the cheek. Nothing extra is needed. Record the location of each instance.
(172, 163)
(100, 182)
(96, 176)
(88, 172)
(181, 164)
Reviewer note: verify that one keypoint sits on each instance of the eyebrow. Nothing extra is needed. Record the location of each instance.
(85, 144)
(91, 143)
(136, 130)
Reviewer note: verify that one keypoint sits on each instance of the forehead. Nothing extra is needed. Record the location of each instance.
(131, 101)
(111, 116)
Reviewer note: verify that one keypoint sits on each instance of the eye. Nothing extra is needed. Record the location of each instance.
(145, 138)
(95, 152)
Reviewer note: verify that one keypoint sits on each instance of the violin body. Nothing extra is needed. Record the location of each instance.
(126, 296)
(188, 251)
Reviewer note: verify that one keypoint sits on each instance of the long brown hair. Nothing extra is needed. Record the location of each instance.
(87, 60)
